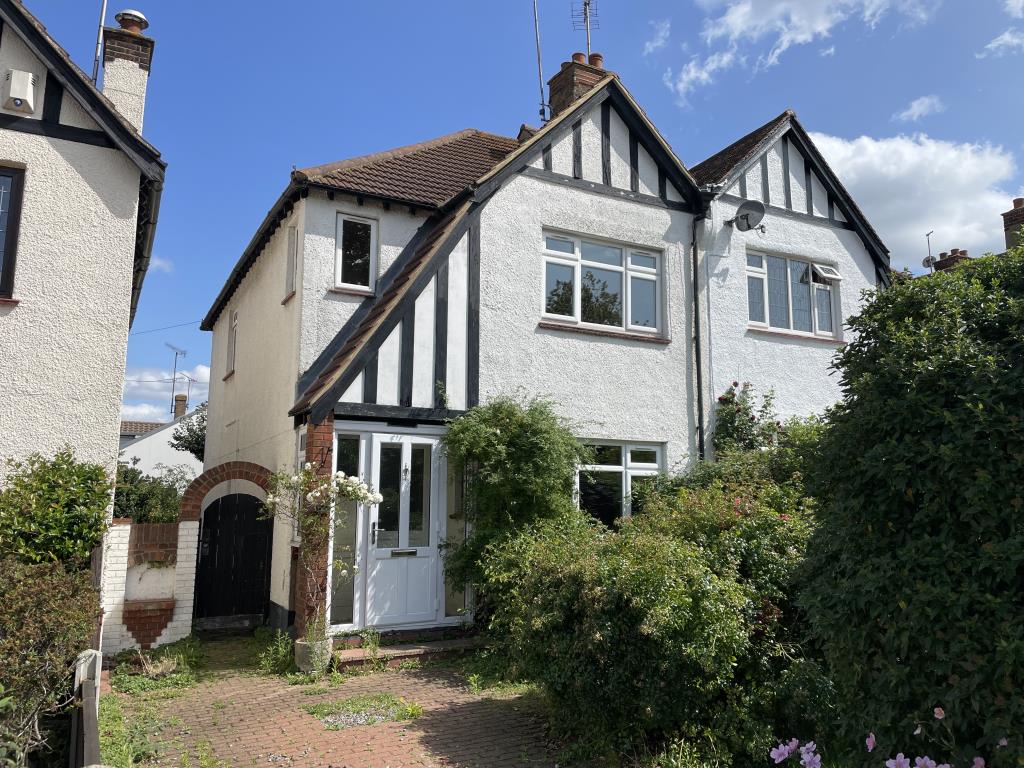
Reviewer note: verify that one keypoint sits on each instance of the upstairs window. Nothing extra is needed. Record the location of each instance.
(602, 285)
(355, 259)
(12, 184)
(607, 486)
(791, 294)
(291, 263)
(232, 342)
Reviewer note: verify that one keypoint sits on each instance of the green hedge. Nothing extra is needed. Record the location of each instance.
(679, 624)
(916, 573)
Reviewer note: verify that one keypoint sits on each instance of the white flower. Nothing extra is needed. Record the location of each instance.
(310, 497)
(309, 466)
(271, 499)
(344, 573)
(295, 478)
(377, 498)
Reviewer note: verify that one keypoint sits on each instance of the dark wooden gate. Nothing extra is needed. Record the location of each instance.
(233, 574)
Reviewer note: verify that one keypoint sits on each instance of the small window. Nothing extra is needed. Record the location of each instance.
(292, 261)
(607, 485)
(355, 253)
(232, 341)
(791, 294)
(12, 184)
(593, 283)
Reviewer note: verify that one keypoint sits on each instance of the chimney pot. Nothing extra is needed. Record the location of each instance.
(954, 251)
(597, 60)
(132, 21)
(579, 57)
(943, 255)
(1018, 202)
(180, 404)
(963, 252)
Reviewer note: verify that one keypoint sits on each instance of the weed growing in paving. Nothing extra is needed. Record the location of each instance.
(171, 666)
(275, 651)
(363, 710)
(125, 741)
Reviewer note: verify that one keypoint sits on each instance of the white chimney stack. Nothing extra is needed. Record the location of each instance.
(127, 56)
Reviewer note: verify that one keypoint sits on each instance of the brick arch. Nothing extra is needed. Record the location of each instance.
(192, 500)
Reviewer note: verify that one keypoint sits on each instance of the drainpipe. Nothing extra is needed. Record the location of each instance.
(696, 332)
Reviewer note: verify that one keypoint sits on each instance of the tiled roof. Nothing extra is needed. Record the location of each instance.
(137, 428)
(428, 174)
(717, 168)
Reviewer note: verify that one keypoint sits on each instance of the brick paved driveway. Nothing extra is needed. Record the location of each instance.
(240, 718)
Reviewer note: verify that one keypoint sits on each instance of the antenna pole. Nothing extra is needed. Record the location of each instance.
(928, 237)
(586, 23)
(540, 68)
(99, 45)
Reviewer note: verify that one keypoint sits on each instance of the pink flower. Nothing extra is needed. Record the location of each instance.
(808, 748)
(924, 762)
(779, 754)
(811, 760)
(902, 762)
(870, 741)
(939, 713)
(1003, 742)
(793, 745)
(979, 762)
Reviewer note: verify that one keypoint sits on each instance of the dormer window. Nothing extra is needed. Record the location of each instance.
(603, 285)
(791, 294)
(355, 259)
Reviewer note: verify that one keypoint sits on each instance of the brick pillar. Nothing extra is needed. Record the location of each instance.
(311, 579)
(115, 572)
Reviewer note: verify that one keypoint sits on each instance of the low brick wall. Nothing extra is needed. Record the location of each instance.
(153, 543)
(146, 619)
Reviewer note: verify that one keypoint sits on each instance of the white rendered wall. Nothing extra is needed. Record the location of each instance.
(124, 83)
(797, 369)
(62, 348)
(610, 388)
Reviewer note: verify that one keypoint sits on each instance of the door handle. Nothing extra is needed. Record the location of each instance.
(373, 532)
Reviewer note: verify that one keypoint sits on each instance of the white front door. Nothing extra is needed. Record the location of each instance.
(402, 572)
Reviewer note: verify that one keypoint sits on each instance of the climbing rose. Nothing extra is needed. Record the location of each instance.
(870, 741)
(903, 762)
(939, 713)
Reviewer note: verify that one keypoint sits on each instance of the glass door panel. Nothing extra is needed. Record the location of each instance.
(419, 497)
(343, 557)
(389, 512)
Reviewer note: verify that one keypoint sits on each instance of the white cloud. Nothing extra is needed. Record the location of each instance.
(145, 412)
(148, 390)
(921, 107)
(661, 32)
(699, 72)
(830, 51)
(161, 265)
(909, 185)
(1015, 8)
(768, 28)
(1011, 41)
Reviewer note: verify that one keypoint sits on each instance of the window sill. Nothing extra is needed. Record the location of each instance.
(551, 325)
(351, 291)
(228, 375)
(9, 301)
(287, 298)
(830, 340)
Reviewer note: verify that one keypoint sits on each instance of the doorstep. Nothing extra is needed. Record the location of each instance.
(394, 655)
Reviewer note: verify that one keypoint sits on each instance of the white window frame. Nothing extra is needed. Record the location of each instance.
(232, 346)
(629, 468)
(826, 272)
(291, 261)
(339, 283)
(627, 269)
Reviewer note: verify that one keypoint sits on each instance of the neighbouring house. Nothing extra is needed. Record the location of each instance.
(582, 261)
(133, 430)
(1013, 226)
(151, 450)
(79, 193)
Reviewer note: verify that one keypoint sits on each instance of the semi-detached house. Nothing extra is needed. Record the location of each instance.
(384, 295)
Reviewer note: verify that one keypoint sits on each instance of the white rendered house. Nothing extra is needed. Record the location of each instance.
(79, 194)
(384, 295)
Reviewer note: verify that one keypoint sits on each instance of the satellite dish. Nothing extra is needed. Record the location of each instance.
(748, 215)
(929, 261)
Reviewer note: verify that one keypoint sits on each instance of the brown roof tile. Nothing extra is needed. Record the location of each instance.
(139, 427)
(428, 174)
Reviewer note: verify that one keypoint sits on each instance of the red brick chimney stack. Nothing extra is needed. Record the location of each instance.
(575, 79)
(180, 404)
(1013, 223)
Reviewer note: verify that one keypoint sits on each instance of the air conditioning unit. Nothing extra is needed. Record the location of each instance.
(20, 91)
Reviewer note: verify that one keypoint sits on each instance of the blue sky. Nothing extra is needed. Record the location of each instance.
(916, 103)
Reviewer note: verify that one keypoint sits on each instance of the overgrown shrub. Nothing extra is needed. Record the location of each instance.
(519, 461)
(916, 573)
(190, 434)
(47, 617)
(147, 498)
(53, 509)
(739, 424)
(679, 624)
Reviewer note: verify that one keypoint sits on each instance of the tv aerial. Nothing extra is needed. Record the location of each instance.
(929, 262)
(178, 352)
(748, 216)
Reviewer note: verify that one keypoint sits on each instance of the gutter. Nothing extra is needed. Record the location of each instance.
(143, 255)
(699, 376)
